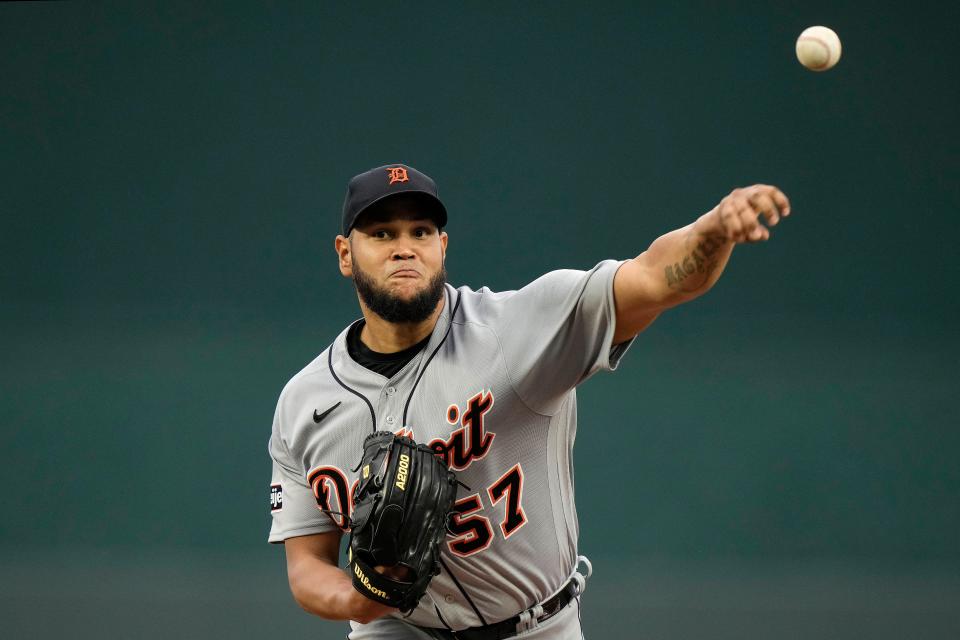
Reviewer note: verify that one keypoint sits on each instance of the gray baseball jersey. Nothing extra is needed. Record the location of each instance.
(494, 393)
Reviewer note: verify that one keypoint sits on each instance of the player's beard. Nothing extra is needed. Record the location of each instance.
(393, 308)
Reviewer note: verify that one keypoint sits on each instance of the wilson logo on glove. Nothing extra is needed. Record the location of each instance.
(365, 581)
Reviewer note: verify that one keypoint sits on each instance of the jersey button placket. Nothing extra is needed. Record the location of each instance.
(388, 400)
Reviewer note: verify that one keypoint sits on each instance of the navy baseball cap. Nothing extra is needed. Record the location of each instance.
(376, 185)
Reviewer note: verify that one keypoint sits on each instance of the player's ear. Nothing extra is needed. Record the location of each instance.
(344, 255)
(443, 243)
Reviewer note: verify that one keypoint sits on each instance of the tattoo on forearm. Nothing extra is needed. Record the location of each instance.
(701, 261)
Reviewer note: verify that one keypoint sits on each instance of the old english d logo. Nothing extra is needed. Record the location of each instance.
(397, 174)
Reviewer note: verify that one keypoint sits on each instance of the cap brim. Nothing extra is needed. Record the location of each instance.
(437, 212)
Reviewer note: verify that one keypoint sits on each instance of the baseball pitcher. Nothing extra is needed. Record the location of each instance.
(437, 430)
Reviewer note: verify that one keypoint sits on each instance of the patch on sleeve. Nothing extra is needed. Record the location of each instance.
(276, 497)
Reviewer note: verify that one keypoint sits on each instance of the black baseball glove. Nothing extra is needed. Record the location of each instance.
(401, 509)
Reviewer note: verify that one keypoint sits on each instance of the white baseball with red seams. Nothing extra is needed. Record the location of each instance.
(818, 48)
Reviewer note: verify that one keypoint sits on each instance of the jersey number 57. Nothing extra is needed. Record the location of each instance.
(472, 531)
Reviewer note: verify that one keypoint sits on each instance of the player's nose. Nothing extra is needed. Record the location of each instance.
(403, 252)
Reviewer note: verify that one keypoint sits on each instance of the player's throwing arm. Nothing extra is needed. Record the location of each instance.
(683, 264)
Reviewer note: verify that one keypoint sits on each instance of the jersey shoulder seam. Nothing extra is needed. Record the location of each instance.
(506, 368)
(315, 367)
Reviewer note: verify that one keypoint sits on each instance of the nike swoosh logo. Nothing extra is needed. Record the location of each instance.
(317, 417)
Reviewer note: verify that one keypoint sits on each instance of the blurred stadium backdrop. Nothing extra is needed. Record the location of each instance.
(778, 459)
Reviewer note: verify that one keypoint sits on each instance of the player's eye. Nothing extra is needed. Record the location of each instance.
(380, 234)
(422, 232)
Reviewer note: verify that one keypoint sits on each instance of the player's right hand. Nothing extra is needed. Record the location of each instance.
(737, 216)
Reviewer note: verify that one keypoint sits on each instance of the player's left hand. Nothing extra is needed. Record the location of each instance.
(737, 216)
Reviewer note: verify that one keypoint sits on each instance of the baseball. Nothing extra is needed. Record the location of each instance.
(818, 48)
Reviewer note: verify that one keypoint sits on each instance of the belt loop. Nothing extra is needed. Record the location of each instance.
(579, 578)
(528, 619)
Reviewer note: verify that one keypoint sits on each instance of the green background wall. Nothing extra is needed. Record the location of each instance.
(778, 458)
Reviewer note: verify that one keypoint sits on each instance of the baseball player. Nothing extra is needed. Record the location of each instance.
(487, 380)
